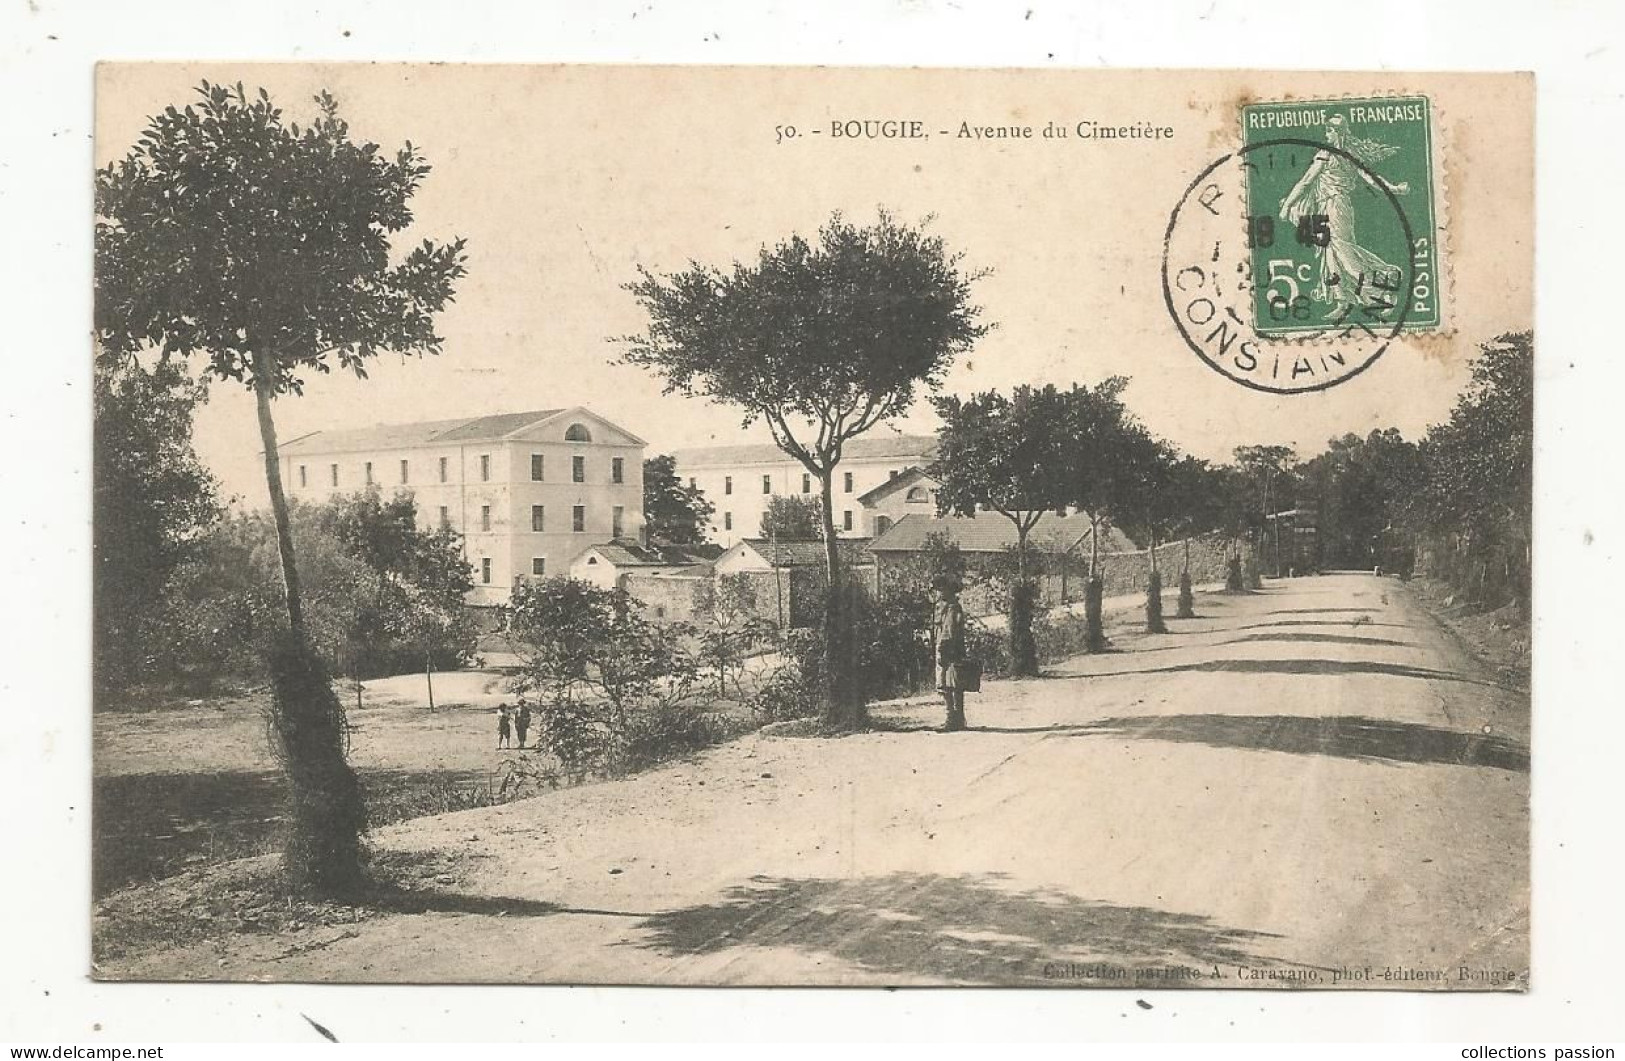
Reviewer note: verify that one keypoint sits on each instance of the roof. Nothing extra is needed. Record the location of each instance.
(806, 553)
(631, 554)
(907, 477)
(422, 433)
(989, 532)
(914, 447)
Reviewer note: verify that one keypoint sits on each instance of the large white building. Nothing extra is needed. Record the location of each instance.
(740, 480)
(528, 491)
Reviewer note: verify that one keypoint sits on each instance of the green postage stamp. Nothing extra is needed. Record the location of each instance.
(1341, 215)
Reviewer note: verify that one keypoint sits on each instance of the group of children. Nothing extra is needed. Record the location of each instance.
(510, 718)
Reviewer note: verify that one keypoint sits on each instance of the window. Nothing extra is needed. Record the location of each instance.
(442, 469)
(445, 517)
(577, 433)
(302, 482)
(369, 473)
(846, 483)
(727, 521)
(333, 469)
(846, 520)
(485, 517)
(485, 570)
(538, 565)
(485, 467)
(767, 484)
(578, 469)
(882, 524)
(806, 483)
(917, 494)
(691, 484)
(538, 468)
(727, 484)
(538, 518)
(578, 518)
(617, 521)
(406, 475)
(617, 470)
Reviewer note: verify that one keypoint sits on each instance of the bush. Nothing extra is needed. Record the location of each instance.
(1061, 636)
(784, 695)
(663, 731)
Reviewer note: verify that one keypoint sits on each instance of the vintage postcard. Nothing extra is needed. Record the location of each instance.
(772, 526)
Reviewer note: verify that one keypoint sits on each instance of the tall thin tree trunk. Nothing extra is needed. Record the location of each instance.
(843, 708)
(279, 501)
(428, 676)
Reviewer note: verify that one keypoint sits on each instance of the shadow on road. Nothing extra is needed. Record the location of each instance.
(1339, 736)
(1363, 624)
(1320, 611)
(1318, 639)
(1305, 666)
(964, 928)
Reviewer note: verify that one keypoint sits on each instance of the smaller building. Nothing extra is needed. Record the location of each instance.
(608, 566)
(763, 554)
(1291, 543)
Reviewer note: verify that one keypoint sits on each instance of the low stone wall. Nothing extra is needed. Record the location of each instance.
(1124, 573)
(791, 595)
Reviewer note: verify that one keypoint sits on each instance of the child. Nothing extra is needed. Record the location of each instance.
(503, 731)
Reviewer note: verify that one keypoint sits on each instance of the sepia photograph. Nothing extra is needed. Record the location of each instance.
(813, 526)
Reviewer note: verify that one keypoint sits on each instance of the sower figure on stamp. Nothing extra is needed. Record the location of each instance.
(948, 649)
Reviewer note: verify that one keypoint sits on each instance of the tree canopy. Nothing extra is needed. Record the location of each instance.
(674, 513)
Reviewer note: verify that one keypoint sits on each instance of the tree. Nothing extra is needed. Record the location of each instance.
(1014, 456)
(821, 342)
(152, 501)
(1268, 467)
(1193, 499)
(1156, 499)
(591, 664)
(791, 519)
(728, 625)
(267, 246)
(674, 513)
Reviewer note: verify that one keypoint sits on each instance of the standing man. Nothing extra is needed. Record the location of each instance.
(948, 648)
(521, 722)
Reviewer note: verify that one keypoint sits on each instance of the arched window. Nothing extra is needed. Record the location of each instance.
(917, 493)
(577, 433)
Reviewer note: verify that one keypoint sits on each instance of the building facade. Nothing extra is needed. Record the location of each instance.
(529, 492)
(740, 480)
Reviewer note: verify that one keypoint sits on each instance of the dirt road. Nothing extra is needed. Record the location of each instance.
(1309, 785)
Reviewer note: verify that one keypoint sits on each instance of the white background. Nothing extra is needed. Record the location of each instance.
(47, 48)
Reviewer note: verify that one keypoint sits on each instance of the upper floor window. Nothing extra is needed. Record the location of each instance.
(445, 517)
(369, 473)
(806, 483)
(727, 484)
(578, 518)
(577, 433)
(442, 469)
(485, 467)
(538, 565)
(538, 518)
(617, 470)
(302, 475)
(882, 524)
(578, 469)
(617, 521)
(727, 521)
(485, 517)
(846, 520)
(538, 467)
(333, 470)
(846, 483)
(767, 484)
(485, 570)
(406, 471)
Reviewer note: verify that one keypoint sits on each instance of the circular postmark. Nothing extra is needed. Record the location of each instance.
(1286, 266)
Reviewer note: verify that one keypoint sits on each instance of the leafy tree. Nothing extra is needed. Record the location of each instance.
(1194, 501)
(1478, 475)
(266, 245)
(592, 664)
(1357, 488)
(152, 502)
(674, 513)
(1268, 467)
(1156, 500)
(791, 519)
(821, 342)
(1014, 456)
(729, 628)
